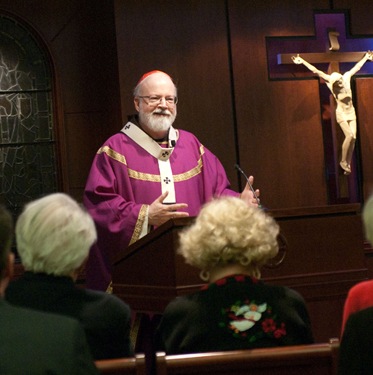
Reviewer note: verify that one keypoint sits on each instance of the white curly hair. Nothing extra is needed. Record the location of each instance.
(227, 231)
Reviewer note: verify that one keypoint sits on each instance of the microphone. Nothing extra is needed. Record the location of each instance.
(251, 186)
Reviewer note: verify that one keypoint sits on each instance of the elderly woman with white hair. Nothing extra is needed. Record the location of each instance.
(53, 236)
(340, 86)
(230, 243)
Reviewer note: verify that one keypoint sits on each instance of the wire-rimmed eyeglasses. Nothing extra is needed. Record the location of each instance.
(155, 99)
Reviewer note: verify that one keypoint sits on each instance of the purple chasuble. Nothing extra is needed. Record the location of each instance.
(124, 178)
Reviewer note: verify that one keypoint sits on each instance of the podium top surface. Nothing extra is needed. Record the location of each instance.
(278, 214)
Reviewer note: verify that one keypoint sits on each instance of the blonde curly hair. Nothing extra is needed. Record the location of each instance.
(227, 231)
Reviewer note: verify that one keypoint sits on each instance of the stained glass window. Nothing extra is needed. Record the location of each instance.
(27, 141)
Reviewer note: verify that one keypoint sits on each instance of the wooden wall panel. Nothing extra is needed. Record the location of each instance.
(84, 134)
(360, 12)
(361, 25)
(279, 122)
(324, 258)
(364, 88)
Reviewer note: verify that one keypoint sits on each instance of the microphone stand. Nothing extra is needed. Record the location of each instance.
(251, 186)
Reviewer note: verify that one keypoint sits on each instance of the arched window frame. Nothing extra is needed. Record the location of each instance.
(16, 194)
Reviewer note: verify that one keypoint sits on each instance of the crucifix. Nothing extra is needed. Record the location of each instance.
(340, 87)
(339, 94)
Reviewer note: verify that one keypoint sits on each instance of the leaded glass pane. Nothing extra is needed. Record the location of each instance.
(27, 141)
(27, 171)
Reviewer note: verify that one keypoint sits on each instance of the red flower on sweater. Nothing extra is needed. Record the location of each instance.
(268, 325)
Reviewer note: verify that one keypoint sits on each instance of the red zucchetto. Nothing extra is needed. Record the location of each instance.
(146, 75)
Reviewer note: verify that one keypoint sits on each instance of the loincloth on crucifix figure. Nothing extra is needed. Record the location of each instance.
(340, 87)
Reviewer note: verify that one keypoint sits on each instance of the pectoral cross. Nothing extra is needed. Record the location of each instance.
(330, 34)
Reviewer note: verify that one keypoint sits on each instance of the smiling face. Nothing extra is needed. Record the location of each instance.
(156, 118)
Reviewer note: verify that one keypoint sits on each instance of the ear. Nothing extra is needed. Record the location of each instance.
(7, 274)
(136, 102)
(75, 274)
(9, 270)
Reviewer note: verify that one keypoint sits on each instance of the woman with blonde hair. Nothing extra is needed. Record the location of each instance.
(230, 242)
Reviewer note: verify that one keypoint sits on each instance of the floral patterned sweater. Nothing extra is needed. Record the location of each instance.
(236, 312)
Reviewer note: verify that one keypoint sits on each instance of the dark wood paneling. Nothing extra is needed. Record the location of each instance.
(359, 15)
(324, 259)
(84, 135)
(279, 123)
(364, 88)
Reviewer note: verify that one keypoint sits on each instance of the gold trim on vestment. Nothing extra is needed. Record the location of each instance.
(139, 224)
(112, 154)
(191, 173)
(153, 177)
(109, 289)
(143, 176)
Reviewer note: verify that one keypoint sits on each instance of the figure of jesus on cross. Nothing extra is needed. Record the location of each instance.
(340, 87)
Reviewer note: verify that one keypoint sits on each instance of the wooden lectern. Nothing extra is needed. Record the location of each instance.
(149, 273)
(324, 257)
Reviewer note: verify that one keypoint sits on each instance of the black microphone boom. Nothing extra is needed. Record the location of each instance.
(251, 186)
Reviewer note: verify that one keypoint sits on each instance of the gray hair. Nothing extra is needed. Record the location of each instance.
(54, 235)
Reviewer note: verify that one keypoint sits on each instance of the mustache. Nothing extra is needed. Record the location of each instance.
(161, 112)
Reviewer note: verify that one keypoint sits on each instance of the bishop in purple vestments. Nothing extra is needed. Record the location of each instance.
(147, 174)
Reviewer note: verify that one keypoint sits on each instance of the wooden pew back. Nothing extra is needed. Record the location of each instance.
(125, 366)
(315, 359)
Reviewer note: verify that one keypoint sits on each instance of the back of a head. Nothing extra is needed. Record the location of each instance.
(54, 235)
(368, 219)
(6, 234)
(228, 231)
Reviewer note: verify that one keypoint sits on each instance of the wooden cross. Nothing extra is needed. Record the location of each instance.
(330, 33)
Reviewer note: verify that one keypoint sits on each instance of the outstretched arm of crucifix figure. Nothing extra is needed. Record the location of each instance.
(368, 56)
(299, 60)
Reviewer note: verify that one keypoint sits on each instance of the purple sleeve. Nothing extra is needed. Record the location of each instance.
(215, 179)
(111, 204)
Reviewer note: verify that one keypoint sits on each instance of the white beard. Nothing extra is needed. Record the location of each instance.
(155, 122)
